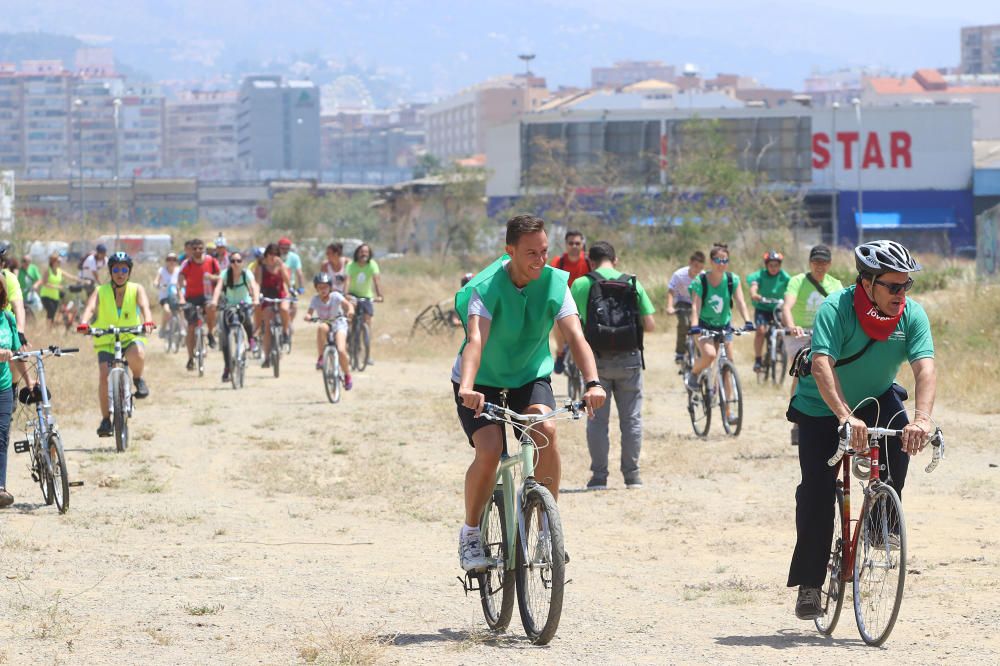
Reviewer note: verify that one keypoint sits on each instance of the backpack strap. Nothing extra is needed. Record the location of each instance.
(729, 285)
(817, 286)
(854, 357)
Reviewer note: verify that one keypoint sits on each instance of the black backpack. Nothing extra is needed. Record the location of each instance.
(704, 287)
(613, 320)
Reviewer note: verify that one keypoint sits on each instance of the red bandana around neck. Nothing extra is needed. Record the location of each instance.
(878, 326)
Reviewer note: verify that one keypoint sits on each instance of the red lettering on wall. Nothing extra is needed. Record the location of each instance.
(899, 149)
(821, 151)
(848, 139)
(873, 152)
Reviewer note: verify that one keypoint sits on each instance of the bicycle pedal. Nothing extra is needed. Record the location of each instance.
(21, 446)
(470, 583)
(75, 484)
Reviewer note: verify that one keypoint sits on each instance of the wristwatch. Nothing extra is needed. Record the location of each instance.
(592, 384)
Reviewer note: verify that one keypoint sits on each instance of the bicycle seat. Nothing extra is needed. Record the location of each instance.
(76, 288)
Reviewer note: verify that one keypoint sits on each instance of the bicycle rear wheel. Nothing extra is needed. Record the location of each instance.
(199, 349)
(700, 408)
(730, 398)
(60, 475)
(496, 584)
(879, 565)
(331, 374)
(766, 366)
(276, 350)
(540, 580)
(364, 346)
(833, 589)
(119, 418)
(44, 472)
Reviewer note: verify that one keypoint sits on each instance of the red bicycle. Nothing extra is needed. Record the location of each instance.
(874, 556)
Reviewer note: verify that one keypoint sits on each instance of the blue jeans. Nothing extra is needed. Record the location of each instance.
(6, 407)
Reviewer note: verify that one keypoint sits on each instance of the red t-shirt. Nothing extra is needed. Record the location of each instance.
(195, 282)
(575, 269)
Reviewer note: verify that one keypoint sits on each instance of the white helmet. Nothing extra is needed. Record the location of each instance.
(884, 256)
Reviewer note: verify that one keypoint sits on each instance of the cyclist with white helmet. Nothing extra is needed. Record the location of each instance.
(329, 305)
(861, 337)
(122, 304)
(766, 283)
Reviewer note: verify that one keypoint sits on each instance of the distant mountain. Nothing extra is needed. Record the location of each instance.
(434, 47)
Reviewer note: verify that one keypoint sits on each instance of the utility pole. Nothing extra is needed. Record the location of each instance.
(118, 234)
(527, 58)
(78, 104)
(861, 201)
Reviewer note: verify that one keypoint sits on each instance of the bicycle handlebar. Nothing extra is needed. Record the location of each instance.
(52, 350)
(114, 330)
(265, 299)
(935, 439)
(497, 413)
(709, 335)
(770, 301)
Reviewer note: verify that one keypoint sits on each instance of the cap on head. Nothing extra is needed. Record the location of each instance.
(171, 256)
(820, 253)
(101, 248)
(4, 247)
(773, 255)
(285, 242)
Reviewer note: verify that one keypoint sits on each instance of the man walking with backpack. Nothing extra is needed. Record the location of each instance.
(615, 311)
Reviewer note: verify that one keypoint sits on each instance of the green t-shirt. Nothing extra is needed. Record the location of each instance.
(362, 278)
(716, 311)
(769, 286)
(27, 277)
(8, 340)
(807, 299)
(838, 334)
(580, 289)
(240, 291)
(293, 262)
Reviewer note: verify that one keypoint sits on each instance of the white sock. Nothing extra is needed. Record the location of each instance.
(468, 530)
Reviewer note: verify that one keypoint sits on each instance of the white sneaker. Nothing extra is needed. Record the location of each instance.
(470, 552)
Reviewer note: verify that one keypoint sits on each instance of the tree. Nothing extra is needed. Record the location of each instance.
(334, 215)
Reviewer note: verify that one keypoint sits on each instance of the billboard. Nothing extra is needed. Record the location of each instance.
(6, 202)
(898, 148)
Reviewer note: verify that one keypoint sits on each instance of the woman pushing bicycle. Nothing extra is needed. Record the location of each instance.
(861, 336)
(119, 303)
(10, 342)
(508, 310)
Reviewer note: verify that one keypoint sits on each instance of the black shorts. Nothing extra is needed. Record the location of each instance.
(192, 303)
(51, 306)
(538, 392)
(762, 317)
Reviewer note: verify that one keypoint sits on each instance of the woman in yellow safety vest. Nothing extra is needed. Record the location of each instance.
(50, 284)
(118, 303)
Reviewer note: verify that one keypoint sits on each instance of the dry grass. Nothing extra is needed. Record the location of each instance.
(335, 647)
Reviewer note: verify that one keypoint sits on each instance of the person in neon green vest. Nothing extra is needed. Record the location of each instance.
(118, 303)
(508, 310)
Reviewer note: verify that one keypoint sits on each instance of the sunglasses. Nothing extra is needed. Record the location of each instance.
(720, 261)
(236, 261)
(120, 270)
(896, 287)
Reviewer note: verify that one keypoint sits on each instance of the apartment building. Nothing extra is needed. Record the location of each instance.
(277, 125)
(981, 49)
(201, 134)
(626, 72)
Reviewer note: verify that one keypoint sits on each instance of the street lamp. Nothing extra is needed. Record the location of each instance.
(527, 58)
(861, 201)
(118, 235)
(690, 72)
(78, 104)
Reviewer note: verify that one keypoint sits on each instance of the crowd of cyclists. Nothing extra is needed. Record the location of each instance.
(509, 310)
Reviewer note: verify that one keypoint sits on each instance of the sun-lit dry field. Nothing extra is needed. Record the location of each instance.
(268, 526)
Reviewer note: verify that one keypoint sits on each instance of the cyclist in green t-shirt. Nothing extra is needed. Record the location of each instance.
(767, 283)
(509, 309)
(712, 295)
(872, 329)
(27, 275)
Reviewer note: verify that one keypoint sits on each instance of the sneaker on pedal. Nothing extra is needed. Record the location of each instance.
(190, 365)
(105, 429)
(809, 604)
(141, 390)
(266, 364)
(879, 544)
(560, 365)
(470, 552)
(692, 383)
(758, 366)
(319, 363)
(348, 382)
(225, 376)
(211, 341)
(678, 358)
(6, 499)
(596, 483)
(733, 419)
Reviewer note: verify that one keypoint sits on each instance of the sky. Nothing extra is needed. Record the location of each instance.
(438, 46)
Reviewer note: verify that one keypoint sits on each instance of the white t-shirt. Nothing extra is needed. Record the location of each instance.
(680, 283)
(91, 267)
(329, 310)
(477, 307)
(167, 280)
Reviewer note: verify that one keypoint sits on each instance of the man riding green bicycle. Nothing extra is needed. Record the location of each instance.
(508, 310)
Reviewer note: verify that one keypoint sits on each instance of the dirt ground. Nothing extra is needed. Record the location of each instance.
(268, 526)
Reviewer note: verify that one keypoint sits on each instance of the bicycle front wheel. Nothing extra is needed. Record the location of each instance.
(364, 346)
(276, 352)
(44, 472)
(199, 350)
(730, 399)
(780, 362)
(235, 344)
(119, 418)
(833, 588)
(496, 584)
(879, 565)
(700, 408)
(331, 374)
(541, 577)
(60, 476)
